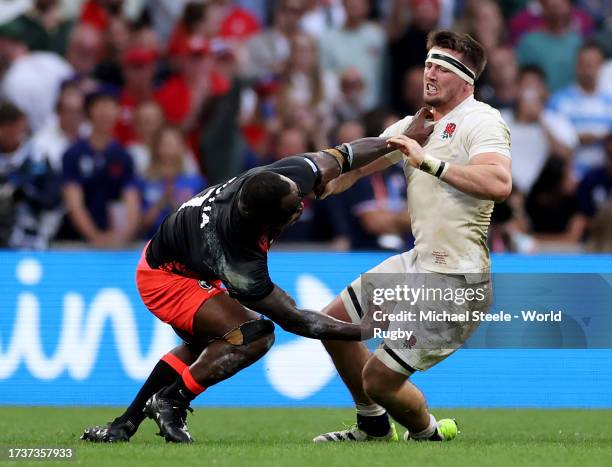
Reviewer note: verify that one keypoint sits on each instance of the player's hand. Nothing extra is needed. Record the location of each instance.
(418, 129)
(409, 147)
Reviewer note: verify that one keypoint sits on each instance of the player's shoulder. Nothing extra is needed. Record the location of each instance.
(398, 127)
(480, 114)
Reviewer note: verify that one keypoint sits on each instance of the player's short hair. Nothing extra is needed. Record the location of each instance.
(10, 113)
(472, 53)
(264, 200)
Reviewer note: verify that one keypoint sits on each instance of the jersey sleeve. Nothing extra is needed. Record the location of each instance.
(248, 280)
(490, 134)
(394, 130)
(302, 170)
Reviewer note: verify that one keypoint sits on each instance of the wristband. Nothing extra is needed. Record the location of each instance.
(343, 155)
(434, 166)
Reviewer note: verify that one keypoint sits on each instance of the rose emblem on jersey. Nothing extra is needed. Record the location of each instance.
(449, 130)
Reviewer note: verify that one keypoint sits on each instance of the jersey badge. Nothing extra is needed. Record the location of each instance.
(449, 131)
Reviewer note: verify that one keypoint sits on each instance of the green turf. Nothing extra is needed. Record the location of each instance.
(281, 437)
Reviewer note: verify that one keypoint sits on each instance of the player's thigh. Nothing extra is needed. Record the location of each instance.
(219, 315)
(337, 309)
(355, 297)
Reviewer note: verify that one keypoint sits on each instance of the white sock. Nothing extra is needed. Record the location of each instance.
(427, 432)
(370, 410)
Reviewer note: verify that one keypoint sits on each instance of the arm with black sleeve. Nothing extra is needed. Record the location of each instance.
(361, 157)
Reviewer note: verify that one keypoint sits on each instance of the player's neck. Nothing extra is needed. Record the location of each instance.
(444, 109)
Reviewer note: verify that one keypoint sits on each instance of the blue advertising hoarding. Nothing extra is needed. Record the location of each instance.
(73, 331)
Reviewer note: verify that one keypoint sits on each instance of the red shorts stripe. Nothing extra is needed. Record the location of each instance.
(176, 363)
(172, 298)
(191, 383)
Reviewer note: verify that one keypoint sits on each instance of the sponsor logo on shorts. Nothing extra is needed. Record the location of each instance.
(205, 285)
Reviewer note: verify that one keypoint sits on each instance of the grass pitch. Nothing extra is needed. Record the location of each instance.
(281, 437)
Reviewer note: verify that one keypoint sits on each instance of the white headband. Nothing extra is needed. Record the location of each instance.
(449, 62)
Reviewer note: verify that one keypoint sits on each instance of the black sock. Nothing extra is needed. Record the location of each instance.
(178, 391)
(377, 425)
(162, 375)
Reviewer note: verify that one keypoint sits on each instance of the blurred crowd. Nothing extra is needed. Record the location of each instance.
(115, 112)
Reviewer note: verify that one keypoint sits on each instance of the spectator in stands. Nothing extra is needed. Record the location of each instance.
(349, 103)
(117, 41)
(552, 205)
(321, 16)
(554, 47)
(304, 83)
(533, 18)
(535, 132)
(43, 27)
(100, 190)
(54, 138)
(98, 14)
(221, 144)
(30, 201)
(501, 75)
(374, 209)
(32, 80)
(84, 49)
(304, 116)
(267, 52)
(600, 232)
(148, 120)
(143, 36)
(359, 44)
(407, 48)
(230, 21)
(412, 92)
(11, 46)
(595, 188)
(192, 23)
(166, 183)
(138, 70)
(587, 108)
(183, 94)
(483, 20)
(165, 15)
(509, 230)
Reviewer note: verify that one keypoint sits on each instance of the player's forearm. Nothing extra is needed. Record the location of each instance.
(281, 308)
(319, 326)
(491, 182)
(367, 150)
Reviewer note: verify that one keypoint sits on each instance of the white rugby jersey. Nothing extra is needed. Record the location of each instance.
(450, 227)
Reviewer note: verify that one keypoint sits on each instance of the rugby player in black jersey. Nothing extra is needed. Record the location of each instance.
(221, 238)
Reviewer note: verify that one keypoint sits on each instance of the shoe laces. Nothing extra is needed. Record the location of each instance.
(180, 410)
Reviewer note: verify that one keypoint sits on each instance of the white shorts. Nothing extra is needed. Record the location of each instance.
(431, 341)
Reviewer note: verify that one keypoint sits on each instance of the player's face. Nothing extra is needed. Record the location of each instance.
(295, 194)
(440, 85)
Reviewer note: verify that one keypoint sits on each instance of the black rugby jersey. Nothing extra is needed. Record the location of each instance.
(207, 239)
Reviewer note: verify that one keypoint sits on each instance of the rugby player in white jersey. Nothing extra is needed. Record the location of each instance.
(453, 181)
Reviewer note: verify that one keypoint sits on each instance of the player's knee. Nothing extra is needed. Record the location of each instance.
(254, 337)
